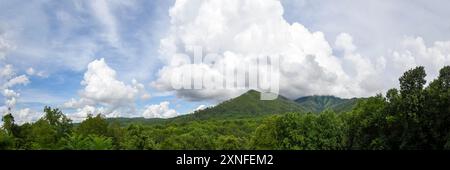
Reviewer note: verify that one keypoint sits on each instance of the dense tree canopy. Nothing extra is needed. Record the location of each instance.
(415, 116)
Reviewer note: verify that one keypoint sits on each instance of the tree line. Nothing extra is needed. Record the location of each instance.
(415, 116)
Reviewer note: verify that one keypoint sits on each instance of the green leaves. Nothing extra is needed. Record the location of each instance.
(297, 131)
(413, 117)
(6, 140)
(412, 81)
(90, 142)
(137, 138)
(93, 125)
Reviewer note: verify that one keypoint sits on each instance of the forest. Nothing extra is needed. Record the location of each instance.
(414, 117)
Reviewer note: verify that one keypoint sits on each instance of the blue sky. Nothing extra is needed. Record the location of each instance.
(52, 43)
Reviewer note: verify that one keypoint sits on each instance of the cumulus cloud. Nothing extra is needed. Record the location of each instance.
(83, 112)
(101, 87)
(413, 51)
(160, 110)
(239, 30)
(26, 115)
(9, 79)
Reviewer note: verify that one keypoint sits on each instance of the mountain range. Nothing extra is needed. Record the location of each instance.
(249, 105)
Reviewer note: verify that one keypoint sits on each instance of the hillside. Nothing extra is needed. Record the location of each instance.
(318, 104)
(246, 105)
(135, 120)
(249, 105)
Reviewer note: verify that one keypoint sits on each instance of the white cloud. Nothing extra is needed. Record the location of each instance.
(22, 79)
(26, 116)
(6, 72)
(377, 26)
(200, 107)
(83, 112)
(8, 80)
(32, 72)
(242, 29)
(239, 30)
(101, 87)
(160, 110)
(11, 97)
(414, 51)
(345, 42)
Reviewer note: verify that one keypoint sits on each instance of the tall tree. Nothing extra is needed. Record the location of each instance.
(8, 123)
(93, 125)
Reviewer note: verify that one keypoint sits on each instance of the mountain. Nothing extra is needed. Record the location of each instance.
(247, 105)
(318, 104)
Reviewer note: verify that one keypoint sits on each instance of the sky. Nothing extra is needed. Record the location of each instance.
(116, 57)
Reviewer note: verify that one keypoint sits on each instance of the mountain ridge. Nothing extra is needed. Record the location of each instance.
(249, 105)
(320, 103)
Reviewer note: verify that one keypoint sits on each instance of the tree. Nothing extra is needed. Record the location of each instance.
(366, 124)
(6, 140)
(8, 123)
(229, 142)
(60, 122)
(90, 142)
(301, 132)
(412, 108)
(93, 125)
(436, 117)
(44, 135)
(412, 81)
(264, 137)
(136, 138)
(48, 131)
(117, 134)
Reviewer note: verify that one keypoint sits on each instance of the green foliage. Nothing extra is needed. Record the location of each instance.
(247, 105)
(6, 141)
(412, 117)
(89, 142)
(364, 124)
(229, 142)
(8, 124)
(302, 132)
(317, 104)
(44, 135)
(138, 139)
(48, 132)
(93, 126)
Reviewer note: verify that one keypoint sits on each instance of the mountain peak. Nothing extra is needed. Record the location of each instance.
(249, 104)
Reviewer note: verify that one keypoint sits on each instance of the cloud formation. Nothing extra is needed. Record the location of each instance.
(9, 79)
(239, 30)
(101, 88)
(342, 48)
(160, 110)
